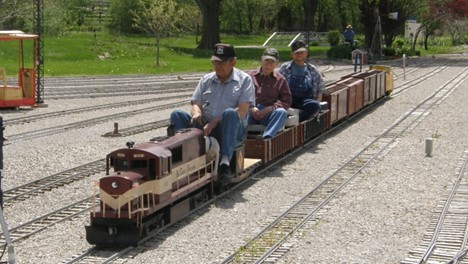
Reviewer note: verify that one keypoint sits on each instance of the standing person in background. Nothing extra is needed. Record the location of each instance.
(305, 82)
(348, 35)
(220, 106)
(272, 95)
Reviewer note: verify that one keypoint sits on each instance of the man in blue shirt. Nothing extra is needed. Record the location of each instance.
(220, 106)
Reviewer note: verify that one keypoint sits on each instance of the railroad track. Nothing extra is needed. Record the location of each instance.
(85, 123)
(269, 245)
(94, 255)
(271, 242)
(76, 82)
(40, 186)
(99, 92)
(137, 129)
(48, 183)
(406, 86)
(446, 238)
(43, 222)
(33, 118)
(57, 214)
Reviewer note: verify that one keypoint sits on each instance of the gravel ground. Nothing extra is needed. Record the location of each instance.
(378, 219)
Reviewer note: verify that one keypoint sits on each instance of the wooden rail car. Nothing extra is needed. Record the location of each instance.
(343, 98)
(23, 93)
(159, 182)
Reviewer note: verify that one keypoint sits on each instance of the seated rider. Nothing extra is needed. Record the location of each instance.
(272, 95)
(305, 82)
(220, 105)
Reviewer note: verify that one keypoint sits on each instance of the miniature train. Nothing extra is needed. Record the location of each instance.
(160, 181)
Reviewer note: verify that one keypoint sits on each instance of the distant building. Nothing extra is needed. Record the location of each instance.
(411, 27)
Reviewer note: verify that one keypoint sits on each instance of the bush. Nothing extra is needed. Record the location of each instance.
(334, 37)
(314, 44)
(408, 52)
(399, 43)
(342, 51)
(387, 51)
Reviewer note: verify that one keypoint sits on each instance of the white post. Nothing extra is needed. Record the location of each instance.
(429, 146)
(404, 66)
(11, 250)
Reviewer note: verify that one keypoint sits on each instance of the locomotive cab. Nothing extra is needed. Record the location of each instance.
(149, 165)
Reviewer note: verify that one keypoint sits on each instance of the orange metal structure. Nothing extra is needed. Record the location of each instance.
(23, 93)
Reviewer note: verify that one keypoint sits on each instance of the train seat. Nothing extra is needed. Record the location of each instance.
(293, 117)
(3, 77)
(292, 120)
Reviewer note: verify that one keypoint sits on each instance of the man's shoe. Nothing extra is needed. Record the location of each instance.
(224, 174)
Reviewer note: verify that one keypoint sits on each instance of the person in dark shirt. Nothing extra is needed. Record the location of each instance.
(305, 82)
(348, 35)
(272, 95)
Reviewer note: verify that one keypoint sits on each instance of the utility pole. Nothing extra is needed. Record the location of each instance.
(376, 47)
(39, 30)
(308, 23)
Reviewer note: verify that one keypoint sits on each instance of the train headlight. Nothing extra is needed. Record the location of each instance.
(114, 185)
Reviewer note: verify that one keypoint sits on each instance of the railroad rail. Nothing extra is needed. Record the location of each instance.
(446, 238)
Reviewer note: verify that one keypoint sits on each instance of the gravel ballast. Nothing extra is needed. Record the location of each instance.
(379, 218)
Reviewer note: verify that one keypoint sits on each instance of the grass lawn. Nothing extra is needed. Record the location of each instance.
(77, 54)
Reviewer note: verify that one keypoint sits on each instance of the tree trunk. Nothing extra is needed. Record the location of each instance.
(210, 10)
(158, 37)
(368, 20)
(310, 8)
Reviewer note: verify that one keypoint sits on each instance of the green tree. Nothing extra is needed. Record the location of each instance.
(77, 11)
(56, 20)
(450, 13)
(122, 14)
(16, 14)
(156, 18)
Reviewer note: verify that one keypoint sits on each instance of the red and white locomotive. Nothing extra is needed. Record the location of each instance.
(153, 183)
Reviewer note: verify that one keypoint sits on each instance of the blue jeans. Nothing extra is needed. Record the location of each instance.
(230, 132)
(273, 122)
(309, 107)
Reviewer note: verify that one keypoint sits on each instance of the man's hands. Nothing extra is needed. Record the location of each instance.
(196, 118)
(210, 126)
(260, 114)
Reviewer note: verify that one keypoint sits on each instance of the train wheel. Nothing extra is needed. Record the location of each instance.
(112, 230)
(161, 223)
